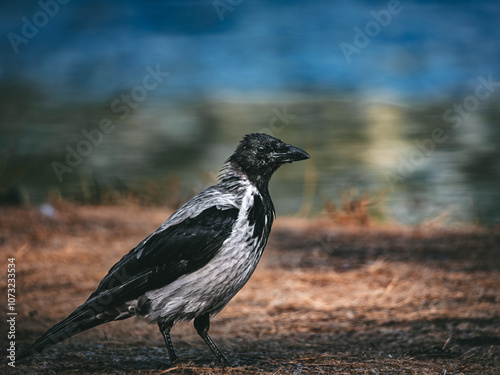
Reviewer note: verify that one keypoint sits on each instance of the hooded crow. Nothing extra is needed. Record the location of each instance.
(197, 260)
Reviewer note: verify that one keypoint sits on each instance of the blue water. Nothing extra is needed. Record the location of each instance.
(363, 82)
(427, 50)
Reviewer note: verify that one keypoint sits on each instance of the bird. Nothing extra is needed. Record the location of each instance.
(197, 260)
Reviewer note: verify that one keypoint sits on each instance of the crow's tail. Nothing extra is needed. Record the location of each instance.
(83, 318)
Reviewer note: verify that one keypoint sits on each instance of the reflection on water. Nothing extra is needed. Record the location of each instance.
(424, 167)
(176, 64)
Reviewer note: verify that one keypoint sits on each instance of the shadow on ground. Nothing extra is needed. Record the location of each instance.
(324, 300)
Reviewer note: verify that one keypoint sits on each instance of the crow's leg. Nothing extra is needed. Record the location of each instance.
(165, 328)
(202, 325)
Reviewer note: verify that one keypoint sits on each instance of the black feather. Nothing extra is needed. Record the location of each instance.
(150, 281)
(170, 253)
(155, 262)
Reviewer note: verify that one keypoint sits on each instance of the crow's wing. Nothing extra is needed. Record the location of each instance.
(167, 254)
(170, 252)
(185, 242)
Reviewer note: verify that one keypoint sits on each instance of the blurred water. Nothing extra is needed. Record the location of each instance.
(381, 149)
(401, 119)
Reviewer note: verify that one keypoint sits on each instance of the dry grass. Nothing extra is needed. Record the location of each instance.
(324, 300)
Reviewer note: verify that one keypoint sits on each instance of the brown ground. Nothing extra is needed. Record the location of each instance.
(324, 300)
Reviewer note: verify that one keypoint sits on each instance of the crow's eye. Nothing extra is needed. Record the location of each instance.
(260, 148)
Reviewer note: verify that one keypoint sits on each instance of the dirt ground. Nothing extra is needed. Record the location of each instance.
(325, 299)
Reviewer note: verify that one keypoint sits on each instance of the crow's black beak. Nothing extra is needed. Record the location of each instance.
(292, 154)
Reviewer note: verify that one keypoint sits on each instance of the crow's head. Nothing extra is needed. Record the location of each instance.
(259, 155)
